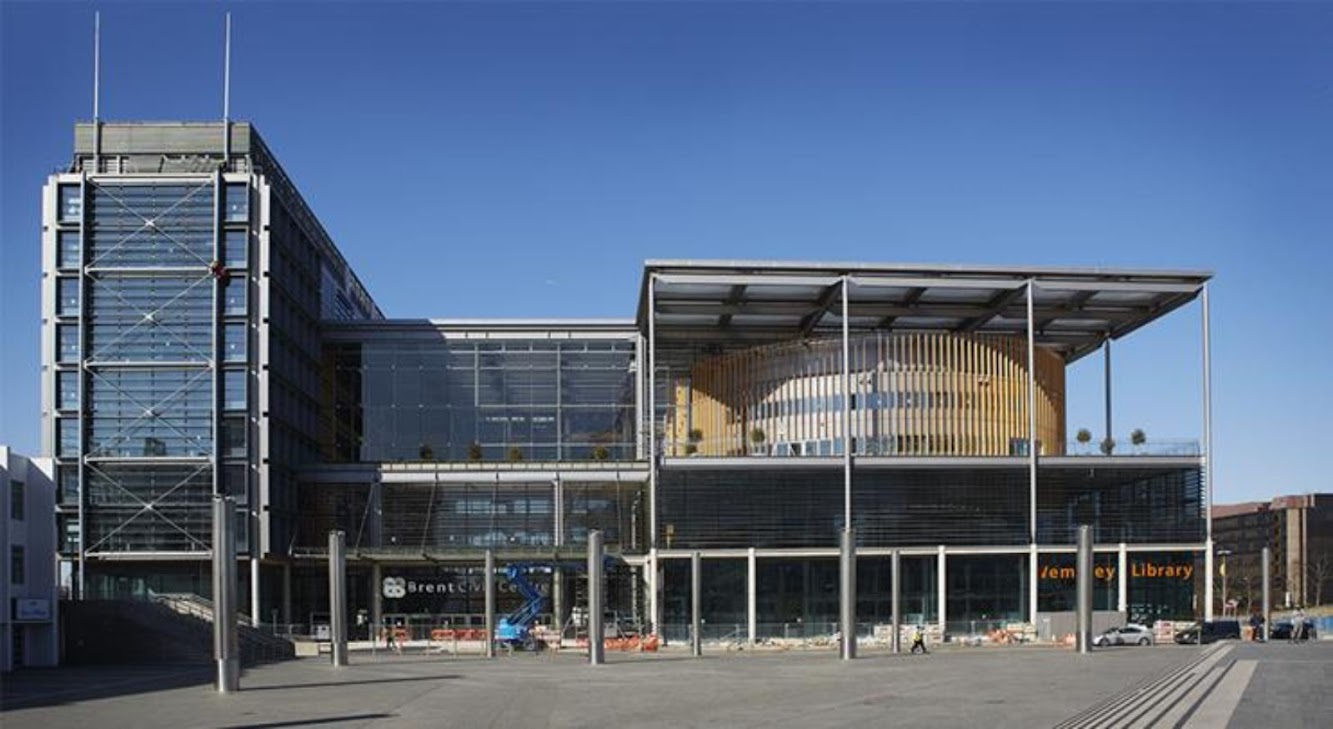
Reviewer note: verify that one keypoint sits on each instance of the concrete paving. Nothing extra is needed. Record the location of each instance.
(952, 687)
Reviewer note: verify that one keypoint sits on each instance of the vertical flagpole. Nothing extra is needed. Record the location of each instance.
(226, 95)
(97, 91)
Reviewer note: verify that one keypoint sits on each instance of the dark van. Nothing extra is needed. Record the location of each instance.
(1209, 631)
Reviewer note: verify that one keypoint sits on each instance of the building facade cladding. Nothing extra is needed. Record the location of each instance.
(184, 280)
(28, 598)
(916, 394)
(1298, 530)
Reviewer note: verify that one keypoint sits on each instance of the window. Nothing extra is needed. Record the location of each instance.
(69, 484)
(233, 436)
(67, 249)
(67, 390)
(67, 438)
(67, 338)
(67, 296)
(233, 296)
(234, 249)
(233, 343)
(16, 500)
(71, 204)
(17, 565)
(237, 203)
(233, 389)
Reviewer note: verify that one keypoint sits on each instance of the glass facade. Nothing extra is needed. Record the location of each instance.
(148, 322)
(478, 515)
(1057, 581)
(459, 399)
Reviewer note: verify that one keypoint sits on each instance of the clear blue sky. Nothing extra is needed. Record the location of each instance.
(496, 159)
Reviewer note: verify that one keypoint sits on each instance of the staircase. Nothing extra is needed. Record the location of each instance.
(165, 629)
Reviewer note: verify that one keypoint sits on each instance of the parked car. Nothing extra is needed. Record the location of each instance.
(1209, 631)
(1282, 630)
(1124, 635)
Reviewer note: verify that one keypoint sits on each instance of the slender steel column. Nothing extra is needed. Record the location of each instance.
(1032, 421)
(338, 596)
(224, 596)
(847, 616)
(752, 595)
(376, 600)
(255, 617)
(652, 422)
(1106, 382)
(696, 622)
(1083, 573)
(1122, 583)
(1032, 584)
(1267, 557)
(1207, 459)
(596, 645)
(489, 577)
(942, 588)
(287, 594)
(896, 582)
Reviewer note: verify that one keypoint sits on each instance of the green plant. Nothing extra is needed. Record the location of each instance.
(1138, 437)
(601, 453)
(426, 452)
(758, 436)
(1084, 436)
(1108, 445)
(691, 449)
(696, 435)
(515, 453)
(474, 452)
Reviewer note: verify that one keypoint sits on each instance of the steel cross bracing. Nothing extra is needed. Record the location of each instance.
(149, 411)
(149, 223)
(148, 506)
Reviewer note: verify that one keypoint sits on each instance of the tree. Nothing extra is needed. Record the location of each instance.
(515, 453)
(1108, 446)
(426, 452)
(1138, 438)
(1084, 437)
(1320, 569)
(474, 452)
(600, 453)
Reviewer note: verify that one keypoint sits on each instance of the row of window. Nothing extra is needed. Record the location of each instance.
(235, 208)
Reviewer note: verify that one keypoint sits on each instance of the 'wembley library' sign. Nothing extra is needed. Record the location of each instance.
(1107, 573)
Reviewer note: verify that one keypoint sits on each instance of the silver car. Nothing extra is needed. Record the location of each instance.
(1125, 635)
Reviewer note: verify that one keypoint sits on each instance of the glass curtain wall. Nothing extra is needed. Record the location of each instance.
(465, 400)
(146, 337)
(985, 592)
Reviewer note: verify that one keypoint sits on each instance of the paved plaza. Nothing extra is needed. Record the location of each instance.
(1242, 685)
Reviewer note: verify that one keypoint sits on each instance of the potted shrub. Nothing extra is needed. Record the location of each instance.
(1138, 438)
(601, 453)
(515, 453)
(757, 437)
(426, 452)
(1108, 446)
(1084, 437)
(474, 452)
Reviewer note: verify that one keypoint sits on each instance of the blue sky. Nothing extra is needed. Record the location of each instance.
(497, 159)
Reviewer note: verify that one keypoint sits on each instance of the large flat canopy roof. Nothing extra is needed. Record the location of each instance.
(721, 305)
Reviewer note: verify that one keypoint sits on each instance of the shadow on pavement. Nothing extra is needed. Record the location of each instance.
(54, 686)
(323, 684)
(310, 722)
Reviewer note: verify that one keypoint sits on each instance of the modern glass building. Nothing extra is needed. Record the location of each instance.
(203, 336)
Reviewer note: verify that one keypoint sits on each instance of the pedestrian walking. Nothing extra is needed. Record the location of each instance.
(919, 641)
(1297, 626)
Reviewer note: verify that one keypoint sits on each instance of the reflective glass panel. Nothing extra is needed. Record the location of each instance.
(237, 203)
(67, 390)
(71, 203)
(68, 249)
(67, 296)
